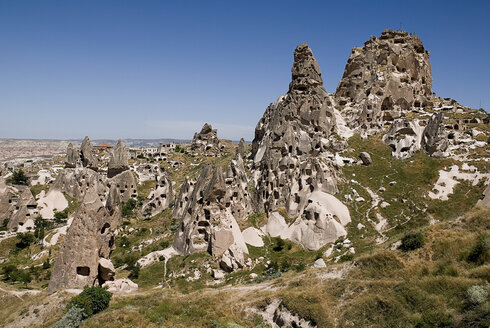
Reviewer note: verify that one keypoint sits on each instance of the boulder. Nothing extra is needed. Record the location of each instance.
(106, 269)
(365, 158)
(320, 263)
(121, 286)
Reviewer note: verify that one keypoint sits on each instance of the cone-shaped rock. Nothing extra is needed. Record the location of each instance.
(72, 156)
(119, 160)
(87, 155)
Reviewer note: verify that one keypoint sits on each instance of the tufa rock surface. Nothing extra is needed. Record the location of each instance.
(206, 140)
(118, 161)
(72, 156)
(84, 256)
(87, 155)
(292, 140)
(383, 80)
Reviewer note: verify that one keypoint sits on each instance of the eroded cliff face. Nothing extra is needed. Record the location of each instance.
(291, 138)
(84, 256)
(385, 79)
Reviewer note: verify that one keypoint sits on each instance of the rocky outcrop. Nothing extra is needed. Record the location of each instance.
(160, 197)
(76, 183)
(183, 198)
(118, 161)
(435, 140)
(292, 140)
(84, 257)
(383, 80)
(87, 155)
(6, 204)
(404, 137)
(485, 199)
(24, 213)
(72, 156)
(237, 193)
(206, 140)
(121, 286)
(241, 148)
(208, 223)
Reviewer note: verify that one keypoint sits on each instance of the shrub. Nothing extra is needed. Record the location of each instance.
(91, 300)
(480, 253)
(477, 294)
(25, 239)
(18, 178)
(128, 207)
(71, 319)
(412, 241)
(60, 217)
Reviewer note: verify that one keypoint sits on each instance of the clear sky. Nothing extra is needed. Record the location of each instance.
(160, 69)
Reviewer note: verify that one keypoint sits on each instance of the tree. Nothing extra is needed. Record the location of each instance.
(24, 277)
(25, 240)
(18, 178)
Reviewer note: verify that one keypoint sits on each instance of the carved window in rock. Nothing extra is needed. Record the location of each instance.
(83, 271)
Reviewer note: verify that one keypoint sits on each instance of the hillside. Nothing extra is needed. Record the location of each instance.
(368, 207)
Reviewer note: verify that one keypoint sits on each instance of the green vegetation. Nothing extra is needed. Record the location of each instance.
(18, 178)
(480, 253)
(91, 300)
(128, 208)
(412, 241)
(25, 239)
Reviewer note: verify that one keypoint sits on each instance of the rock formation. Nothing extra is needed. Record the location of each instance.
(383, 80)
(24, 213)
(241, 148)
(206, 140)
(119, 160)
(159, 198)
(76, 182)
(404, 137)
(6, 205)
(84, 257)
(72, 157)
(434, 139)
(208, 223)
(87, 155)
(290, 140)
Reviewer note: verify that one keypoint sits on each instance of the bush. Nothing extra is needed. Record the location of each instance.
(18, 178)
(60, 217)
(412, 241)
(25, 239)
(128, 207)
(477, 294)
(480, 253)
(91, 300)
(71, 319)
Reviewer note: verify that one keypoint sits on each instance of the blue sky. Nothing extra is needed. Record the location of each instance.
(160, 69)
